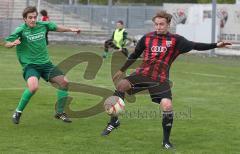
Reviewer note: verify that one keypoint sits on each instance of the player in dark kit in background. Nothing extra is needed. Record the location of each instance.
(160, 49)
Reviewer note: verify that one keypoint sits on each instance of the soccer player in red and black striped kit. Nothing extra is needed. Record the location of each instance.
(160, 49)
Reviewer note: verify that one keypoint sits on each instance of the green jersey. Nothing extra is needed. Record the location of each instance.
(33, 47)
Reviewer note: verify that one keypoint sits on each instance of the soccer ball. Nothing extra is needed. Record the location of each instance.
(114, 106)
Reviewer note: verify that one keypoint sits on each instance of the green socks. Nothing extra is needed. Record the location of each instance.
(61, 102)
(26, 96)
(105, 54)
(24, 100)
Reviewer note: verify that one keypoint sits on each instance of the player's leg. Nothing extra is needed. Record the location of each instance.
(131, 84)
(161, 94)
(123, 86)
(167, 121)
(32, 84)
(61, 83)
(31, 75)
(56, 77)
(107, 45)
(125, 51)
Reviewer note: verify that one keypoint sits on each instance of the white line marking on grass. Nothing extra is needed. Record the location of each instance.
(3, 89)
(16, 88)
(209, 75)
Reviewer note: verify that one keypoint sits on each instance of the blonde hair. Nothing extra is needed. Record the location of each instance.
(163, 14)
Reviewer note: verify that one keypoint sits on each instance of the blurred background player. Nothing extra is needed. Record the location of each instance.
(30, 41)
(45, 17)
(160, 49)
(118, 40)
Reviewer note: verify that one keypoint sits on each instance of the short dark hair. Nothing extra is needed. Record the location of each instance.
(29, 9)
(120, 21)
(43, 12)
(163, 14)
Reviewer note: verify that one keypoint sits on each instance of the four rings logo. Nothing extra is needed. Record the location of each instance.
(158, 49)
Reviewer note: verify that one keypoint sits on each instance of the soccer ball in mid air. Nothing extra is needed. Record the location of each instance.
(114, 106)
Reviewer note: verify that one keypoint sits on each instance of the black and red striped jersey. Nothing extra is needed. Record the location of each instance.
(159, 52)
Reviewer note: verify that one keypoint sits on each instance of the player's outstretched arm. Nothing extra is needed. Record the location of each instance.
(117, 75)
(132, 58)
(208, 46)
(223, 44)
(185, 45)
(12, 44)
(67, 29)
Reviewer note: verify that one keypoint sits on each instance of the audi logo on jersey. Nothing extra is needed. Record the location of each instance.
(158, 49)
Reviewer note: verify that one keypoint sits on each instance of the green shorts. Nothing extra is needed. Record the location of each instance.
(46, 71)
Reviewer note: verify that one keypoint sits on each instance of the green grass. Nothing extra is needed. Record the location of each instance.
(206, 102)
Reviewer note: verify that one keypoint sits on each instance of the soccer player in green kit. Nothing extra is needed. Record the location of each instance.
(30, 41)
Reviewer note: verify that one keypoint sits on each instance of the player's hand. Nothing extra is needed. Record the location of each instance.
(75, 30)
(117, 75)
(223, 44)
(15, 43)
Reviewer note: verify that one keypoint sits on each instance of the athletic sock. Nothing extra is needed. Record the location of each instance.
(113, 120)
(62, 96)
(167, 121)
(26, 96)
(119, 94)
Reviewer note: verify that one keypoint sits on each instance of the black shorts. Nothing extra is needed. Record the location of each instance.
(157, 90)
(111, 44)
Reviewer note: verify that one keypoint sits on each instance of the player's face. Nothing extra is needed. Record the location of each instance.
(161, 25)
(31, 19)
(119, 26)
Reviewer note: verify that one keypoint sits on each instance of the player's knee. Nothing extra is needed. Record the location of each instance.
(107, 43)
(32, 84)
(166, 104)
(123, 86)
(33, 88)
(64, 84)
(120, 87)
